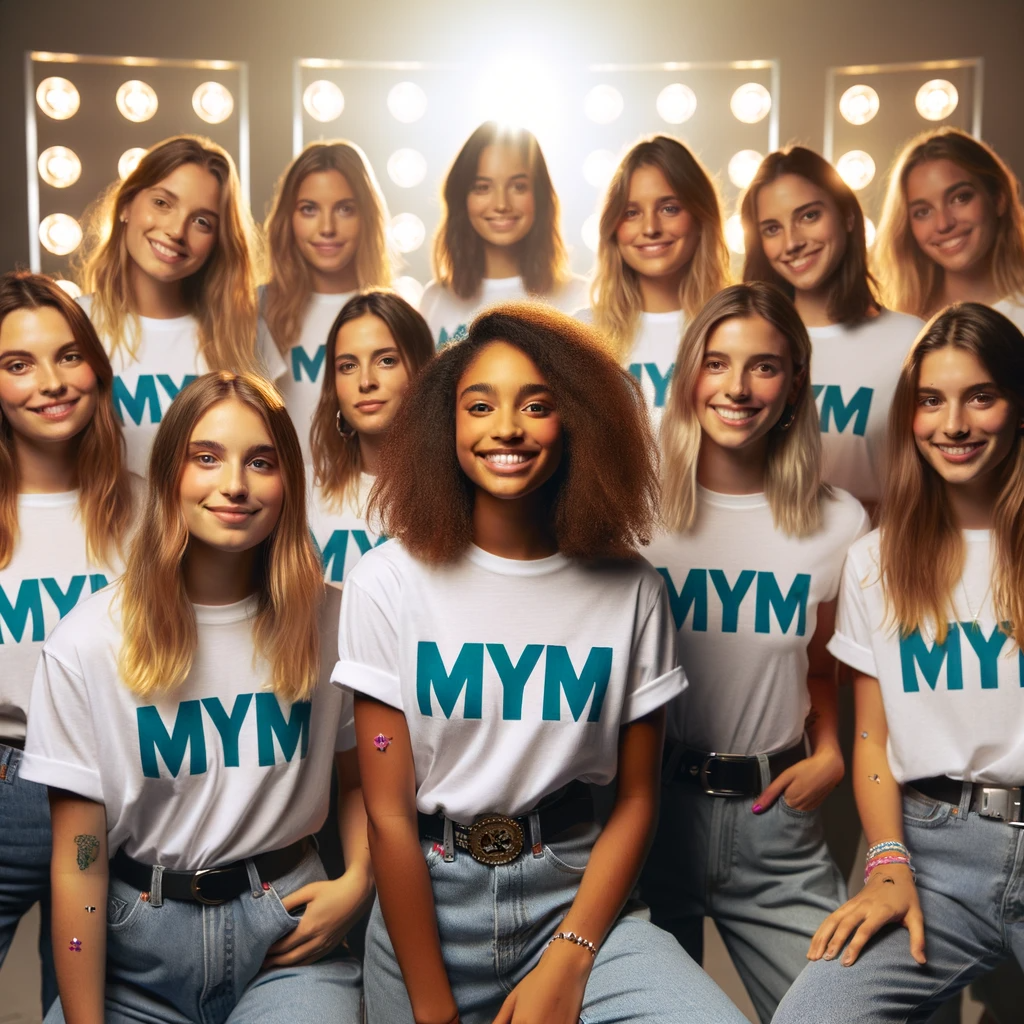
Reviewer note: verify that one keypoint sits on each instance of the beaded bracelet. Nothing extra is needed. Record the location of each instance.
(890, 844)
(578, 939)
(877, 862)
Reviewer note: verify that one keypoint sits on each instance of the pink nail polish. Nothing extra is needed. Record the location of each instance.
(756, 808)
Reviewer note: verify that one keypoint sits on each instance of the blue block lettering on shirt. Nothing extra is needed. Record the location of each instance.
(915, 652)
(513, 677)
(444, 338)
(840, 412)
(731, 597)
(659, 381)
(301, 361)
(229, 726)
(15, 615)
(560, 675)
(467, 673)
(769, 598)
(270, 722)
(146, 397)
(333, 553)
(694, 594)
(987, 649)
(187, 732)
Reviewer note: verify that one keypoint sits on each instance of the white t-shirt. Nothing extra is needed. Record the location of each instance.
(955, 709)
(515, 676)
(49, 575)
(167, 358)
(449, 317)
(745, 599)
(216, 771)
(302, 369)
(1012, 308)
(854, 372)
(342, 535)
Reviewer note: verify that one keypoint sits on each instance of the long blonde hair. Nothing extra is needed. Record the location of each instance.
(912, 282)
(291, 283)
(792, 471)
(157, 617)
(922, 553)
(221, 295)
(104, 485)
(615, 290)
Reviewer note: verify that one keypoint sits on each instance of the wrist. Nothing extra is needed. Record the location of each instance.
(360, 876)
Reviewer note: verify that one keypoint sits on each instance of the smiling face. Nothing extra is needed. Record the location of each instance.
(802, 231)
(964, 424)
(657, 235)
(369, 374)
(326, 223)
(953, 218)
(745, 382)
(501, 203)
(48, 392)
(508, 434)
(231, 488)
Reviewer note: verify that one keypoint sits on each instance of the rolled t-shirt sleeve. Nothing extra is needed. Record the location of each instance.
(851, 642)
(655, 675)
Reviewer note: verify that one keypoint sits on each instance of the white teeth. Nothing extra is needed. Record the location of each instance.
(56, 410)
(504, 459)
(164, 249)
(961, 450)
(735, 414)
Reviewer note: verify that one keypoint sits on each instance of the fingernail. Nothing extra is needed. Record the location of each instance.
(847, 961)
(756, 808)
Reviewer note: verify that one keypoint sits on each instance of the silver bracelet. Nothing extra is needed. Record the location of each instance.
(573, 937)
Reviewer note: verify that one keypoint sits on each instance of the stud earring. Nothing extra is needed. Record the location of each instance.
(788, 415)
(344, 429)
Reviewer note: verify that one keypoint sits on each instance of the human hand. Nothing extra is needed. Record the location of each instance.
(807, 783)
(552, 993)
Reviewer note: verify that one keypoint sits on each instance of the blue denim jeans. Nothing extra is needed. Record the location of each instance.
(25, 862)
(495, 922)
(177, 962)
(970, 880)
(767, 881)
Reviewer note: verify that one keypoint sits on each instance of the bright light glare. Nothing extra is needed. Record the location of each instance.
(410, 289)
(59, 166)
(936, 99)
(323, 101)
(136, 100)
(734, 235)
(407, 102)
(676, 103)
(869, 232)
(603, 104)
(859, 104)
(58, 98)
(599, 166)
(750, 103)
(60, 234)
(743, 166)
(591, 232)
(407, 167)
(69, 286)
(516, 92)
(856, 168)
(129, 160)
(407, 232)
(213, 102)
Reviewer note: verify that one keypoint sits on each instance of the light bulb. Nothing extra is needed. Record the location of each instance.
(856, 168)
(407, 232)
(676, 103)
(603, 104)
(60, 234)
(750, 103)
(213, 102)
(136, 100)
(129, 160)
(410, 289)
(68, 286)
(743, 166)
(58, 98)
(590, 232)
(407, 167)
(407, 102)
(859, 104)
(323, 101)
(599, 166)
(869, 232)
(937, 99)
(59, 166)
(734, 235)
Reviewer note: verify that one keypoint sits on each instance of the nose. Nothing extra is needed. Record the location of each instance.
(325, 223)
(50, 382)
(651, 224)
(368, 378)
(946, 220)
(233, 482)
(793, 239)
(507, 426)
(736, 384)
(501, 198)
(955, 426)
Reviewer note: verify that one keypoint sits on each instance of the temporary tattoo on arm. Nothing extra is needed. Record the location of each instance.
(88, 850)
(812, 718)
(382, 742)
(875, 778)
(90, 910)
(75, 946)
(863, 735)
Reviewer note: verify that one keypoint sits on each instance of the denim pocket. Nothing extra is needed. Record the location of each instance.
(795, 811)
(571, 852)
(121, 912)
(921, 811)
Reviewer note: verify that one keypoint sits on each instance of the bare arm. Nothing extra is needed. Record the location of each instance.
(79, 872)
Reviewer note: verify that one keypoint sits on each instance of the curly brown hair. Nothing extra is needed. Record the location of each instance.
(602, 501)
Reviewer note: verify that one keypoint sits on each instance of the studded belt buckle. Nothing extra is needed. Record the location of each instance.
(197, 894)
(495, 840)
(705, 774)
(1002, 803)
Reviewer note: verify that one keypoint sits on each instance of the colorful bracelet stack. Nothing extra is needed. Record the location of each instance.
(889, 852)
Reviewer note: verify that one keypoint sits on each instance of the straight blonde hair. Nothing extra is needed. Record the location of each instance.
(615, 291)
(922, 552)
(221, 295)
(291, 283)
(158, 620)
(792, 471)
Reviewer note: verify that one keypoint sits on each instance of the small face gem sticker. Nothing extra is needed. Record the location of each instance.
(90, 910)
(875, 778)
(863, 735)
(381, 742)
(76, 946)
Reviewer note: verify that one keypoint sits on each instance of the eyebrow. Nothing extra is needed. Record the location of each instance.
(483, 177)
(524, 392)
(759, 355)
(219, 449)
(945, 191)
(203, 210)
(377, 352)
(24, 354)
(987, 385)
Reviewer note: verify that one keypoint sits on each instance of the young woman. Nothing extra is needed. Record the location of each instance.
(184, 725)
(743, 498)
(952, 228)
(499, 236)
(326, 234)
(66, 505)
(661, 256)
(505, 648)
(929, 622)
(375, 347)
(171, 270)
(804, 231)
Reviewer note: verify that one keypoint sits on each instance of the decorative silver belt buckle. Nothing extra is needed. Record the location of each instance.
(495, 840)
(1001, 803)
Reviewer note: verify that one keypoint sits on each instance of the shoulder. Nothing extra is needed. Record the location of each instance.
(894, 324)
(139, 487)
(571, 295)
(433, 295)
(626, 575)
(844, 515)
(382, 569)
(863, 555)
(85, 301)
(92, 625)
(584, 315)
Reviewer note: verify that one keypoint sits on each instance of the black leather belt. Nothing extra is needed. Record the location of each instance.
(725, 774)
(211, 886)
(1001, 802)
(498, 839)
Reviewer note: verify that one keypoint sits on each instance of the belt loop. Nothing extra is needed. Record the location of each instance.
(966, 792)
(670, 761)
(765, 770)
(449, 840)
(10, 758)
(255, 882)
(536, 842)
(156, 886)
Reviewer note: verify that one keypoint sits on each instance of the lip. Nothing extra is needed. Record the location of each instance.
(518, 461)
(502, 223)
(327, 248)
(54, 412)
(952, 246)
(371, 405)
(231, 515)
(165, 253)
(806, 260)
(650, 250)
(721, 410)
(960, 453)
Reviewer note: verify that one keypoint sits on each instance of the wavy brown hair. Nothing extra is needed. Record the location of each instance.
(336, 459)
(158, 620)
(851, 288)
(922, 554)
(221, 295)
(104, 483)
(601, 501)
(290, 285)
(459, 251)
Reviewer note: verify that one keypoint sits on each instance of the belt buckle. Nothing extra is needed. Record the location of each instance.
(704, 776)
(495, 840)
(197, 894)
(1002, 803)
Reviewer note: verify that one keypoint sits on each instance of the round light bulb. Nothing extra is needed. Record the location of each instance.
(60, 234)
(58, 98)
(129, 160)
(323, 101)
(743, 166)
(734, 235)
(59, 166)
(407, 167)
(136, 100)
(859, 104)
(599, 166)
(676, 103)
(407, 102)
(603, 104)
(750, 103)
(213, 102)
(410, 289)
(869, 232)
(937, 99)
(407, 232)
(590, 232)
(68, 286)
(856, 168)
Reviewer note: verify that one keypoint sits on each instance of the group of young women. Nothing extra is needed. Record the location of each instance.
(554, 757)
